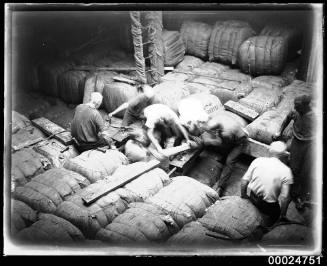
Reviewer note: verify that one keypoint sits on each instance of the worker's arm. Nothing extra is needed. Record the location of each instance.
(247, 178)
(154, 140)
(284, 200)
(122, 107)
(183, 130)
(244, 187)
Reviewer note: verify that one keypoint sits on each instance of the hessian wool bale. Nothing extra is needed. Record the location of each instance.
(196, 36)
(117, 93)
(174, 48)
(225, 41)
(18, 121)
(189, 62)
(71, 86)
(269, 82)
(263, 55)
(96, 165)
(21, 215)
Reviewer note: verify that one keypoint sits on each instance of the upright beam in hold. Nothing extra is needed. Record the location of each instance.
(136, 30)
(156, 49)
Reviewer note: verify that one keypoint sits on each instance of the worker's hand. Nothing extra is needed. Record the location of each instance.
(276, 136)
(109, 117)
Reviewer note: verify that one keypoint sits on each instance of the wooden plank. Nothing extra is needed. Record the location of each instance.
(105, 187)
(50, 128)
(184, 161)
(258, 149)
(125, 80)
(241, 110)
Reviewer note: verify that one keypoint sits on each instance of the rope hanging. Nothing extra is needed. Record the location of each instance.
(136, 30)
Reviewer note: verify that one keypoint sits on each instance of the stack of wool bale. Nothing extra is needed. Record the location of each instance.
(90, 219)
(272, 122)
(50, 229)
(231, 218)
(227, 84)
(161, 215)
(46, 191)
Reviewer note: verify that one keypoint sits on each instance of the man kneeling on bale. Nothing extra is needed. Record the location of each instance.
(162, 123)
(88, 126)
(267, 182)
(134, 108)
(226, 135)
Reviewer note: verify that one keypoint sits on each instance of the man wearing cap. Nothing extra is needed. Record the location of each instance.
(301, 149)
(87, 127)
(134, 108)
(267, 182)
(226, 135)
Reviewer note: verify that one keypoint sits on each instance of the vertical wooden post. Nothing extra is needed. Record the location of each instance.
(155, 47)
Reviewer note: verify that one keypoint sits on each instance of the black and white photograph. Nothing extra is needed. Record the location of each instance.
(164, 130)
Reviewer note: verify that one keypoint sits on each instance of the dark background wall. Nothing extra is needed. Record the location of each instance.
(39, 34)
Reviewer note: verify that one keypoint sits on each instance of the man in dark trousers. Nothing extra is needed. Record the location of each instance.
(134, 108)
(301, 150)
(88, 126)
(267, 182)
(223, 133)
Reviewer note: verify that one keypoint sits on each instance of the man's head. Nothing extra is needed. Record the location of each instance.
(96, 99)
(277, 149)
(302, 103)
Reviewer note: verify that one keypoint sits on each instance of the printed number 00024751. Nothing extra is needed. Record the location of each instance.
(293, 260)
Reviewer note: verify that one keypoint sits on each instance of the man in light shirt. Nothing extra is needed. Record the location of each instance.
(162, 123)
(267, 183)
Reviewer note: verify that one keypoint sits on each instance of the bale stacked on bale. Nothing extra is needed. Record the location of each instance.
(291, 34)
(263, 55)
(262, 99)
(231, 218)
(225, 90)
(96, 165)
(225, 40)
(162, 215)
(45, 192)
(18, 121)
(141, 223)
(49, 74)
(71, 86)
(22, 216)
(231, 115)
(25, 164)
(53, 151)
(174, 48)
(196, 37)
(269, 82)
(102, 212)
(189, 62)
(170, 93)
(96, 82)
(50, 229)
(175, 76)
(210, 69)
(272, 122)
(117, 93)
